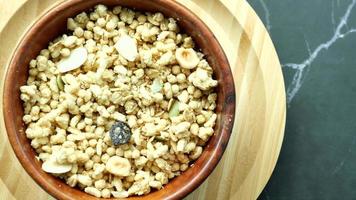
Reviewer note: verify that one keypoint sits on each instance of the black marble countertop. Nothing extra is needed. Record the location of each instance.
(316, 44)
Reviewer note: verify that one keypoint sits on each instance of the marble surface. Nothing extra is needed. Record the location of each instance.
(316, 43)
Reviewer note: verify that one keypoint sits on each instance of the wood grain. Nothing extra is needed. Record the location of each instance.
(258, 133)
(52, 24)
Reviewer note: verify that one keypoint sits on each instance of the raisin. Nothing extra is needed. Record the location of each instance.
(120, 133)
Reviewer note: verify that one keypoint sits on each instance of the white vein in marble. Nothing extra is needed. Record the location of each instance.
(299, 75)
(267, 15)
(341, 164)
(333, 14)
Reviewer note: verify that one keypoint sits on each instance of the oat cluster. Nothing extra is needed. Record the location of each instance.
(119, 65)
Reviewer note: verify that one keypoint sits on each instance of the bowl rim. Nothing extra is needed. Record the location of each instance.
(201, 175)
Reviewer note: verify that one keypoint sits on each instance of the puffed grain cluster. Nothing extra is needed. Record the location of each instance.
(119, 65)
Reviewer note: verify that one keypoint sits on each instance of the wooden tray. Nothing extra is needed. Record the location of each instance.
(261, 106)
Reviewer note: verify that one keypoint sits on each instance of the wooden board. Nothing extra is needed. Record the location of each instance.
(261, 107)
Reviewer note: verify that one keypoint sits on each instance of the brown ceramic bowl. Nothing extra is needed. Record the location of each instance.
(52, 24)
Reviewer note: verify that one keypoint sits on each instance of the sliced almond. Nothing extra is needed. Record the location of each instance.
(76, 59)
(51, 166)
(121, 194)
(118, 166)
(127, 47)
(187, 58)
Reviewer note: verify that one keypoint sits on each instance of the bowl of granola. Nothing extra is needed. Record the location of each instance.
(119, 99)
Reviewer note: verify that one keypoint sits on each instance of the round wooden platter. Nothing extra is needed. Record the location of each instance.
(261, 106)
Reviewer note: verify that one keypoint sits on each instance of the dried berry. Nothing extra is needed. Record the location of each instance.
(120, 133)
